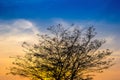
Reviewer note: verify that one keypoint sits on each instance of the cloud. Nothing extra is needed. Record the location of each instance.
(13, 33)
(19, 30)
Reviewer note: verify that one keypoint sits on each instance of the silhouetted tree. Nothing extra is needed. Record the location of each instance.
(65, 54)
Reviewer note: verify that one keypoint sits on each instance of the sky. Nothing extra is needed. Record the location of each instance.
(21, 20)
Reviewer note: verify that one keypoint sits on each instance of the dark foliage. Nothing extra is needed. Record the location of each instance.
(65, 54)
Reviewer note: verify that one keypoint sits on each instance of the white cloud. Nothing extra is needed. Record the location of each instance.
(13, 34)
(67, 24)
(19, 30)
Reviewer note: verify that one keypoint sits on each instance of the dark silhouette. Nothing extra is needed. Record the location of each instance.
(65, 54)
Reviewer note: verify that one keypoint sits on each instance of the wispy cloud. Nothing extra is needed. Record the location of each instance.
(19, 30)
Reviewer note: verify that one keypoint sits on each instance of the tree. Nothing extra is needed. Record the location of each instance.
(65, 54)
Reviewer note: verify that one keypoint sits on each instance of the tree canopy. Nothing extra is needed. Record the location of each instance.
(63, 54)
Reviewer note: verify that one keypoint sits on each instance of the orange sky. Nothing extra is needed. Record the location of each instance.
(11, 49)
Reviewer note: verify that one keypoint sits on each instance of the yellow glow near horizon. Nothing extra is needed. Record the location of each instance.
(11, 49)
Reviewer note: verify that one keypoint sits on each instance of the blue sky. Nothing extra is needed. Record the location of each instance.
(97, 10)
